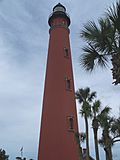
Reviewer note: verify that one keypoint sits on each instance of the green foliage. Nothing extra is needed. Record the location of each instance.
(85, 98)
(113, 14)
(91, 108)
(102, 41)
(104, 116)
(3, 155)
(96, 107)
(115, 129)
(84, 95)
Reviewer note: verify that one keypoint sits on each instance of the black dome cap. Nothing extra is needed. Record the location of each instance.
(59, 5)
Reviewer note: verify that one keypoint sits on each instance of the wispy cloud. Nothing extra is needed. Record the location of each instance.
(24, 34)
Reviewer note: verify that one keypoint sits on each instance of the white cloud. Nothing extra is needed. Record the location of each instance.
(23, 54)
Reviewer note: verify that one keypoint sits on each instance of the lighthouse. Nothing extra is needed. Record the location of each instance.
(59, 117)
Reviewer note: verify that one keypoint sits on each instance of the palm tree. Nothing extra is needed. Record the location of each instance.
(96, 114)
(106, 123)
(85, 97)
(111, 132)
(115, 130)
(103, 42)
(95, 124)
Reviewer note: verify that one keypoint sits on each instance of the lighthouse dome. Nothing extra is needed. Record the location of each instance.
(59, 11)
(59, 7)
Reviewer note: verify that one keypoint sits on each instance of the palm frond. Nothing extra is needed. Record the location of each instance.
(103, 117)
(82, 94)
(96, 107)
(105, 111)
(99, 36)
(115, 128)
(113, 14)
(86, 110)
(85, 93)
(78, 96)
(105, 40)
(82, 112)
(103, 61)
(91, 58)
(91, 96)
(87, 59)
(85, 97)
(90, 31)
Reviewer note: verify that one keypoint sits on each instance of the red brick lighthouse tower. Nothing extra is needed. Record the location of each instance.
(59, 118)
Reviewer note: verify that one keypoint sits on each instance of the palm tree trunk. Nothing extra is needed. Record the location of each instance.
(108, 151)
(106, 154)
(87, 139)
(115, 70)
(107, 148)
(96, 143)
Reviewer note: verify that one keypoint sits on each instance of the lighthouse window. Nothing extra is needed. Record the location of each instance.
(71, 124)
(59, 9)
(66, 52)
(68, 84)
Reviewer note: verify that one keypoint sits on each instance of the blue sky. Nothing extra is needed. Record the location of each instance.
(23, 53)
